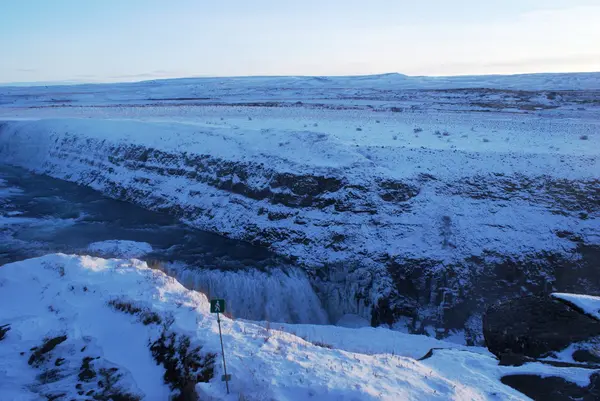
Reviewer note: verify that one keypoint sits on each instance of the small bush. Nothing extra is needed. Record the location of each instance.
(322, 345)
(377, 121)
(485, 140)
(437, 132)
(417, 130)
(111, 391)
(86, 372)
(183, 365)
(359, 129)
(50, 376)
(39, 354)
(3, 330)
(395, 137)
(584, 137)
(146, 316)
(446, 133)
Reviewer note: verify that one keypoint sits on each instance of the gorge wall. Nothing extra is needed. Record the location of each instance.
(401, 235)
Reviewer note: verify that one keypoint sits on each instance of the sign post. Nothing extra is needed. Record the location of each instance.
(218, 306)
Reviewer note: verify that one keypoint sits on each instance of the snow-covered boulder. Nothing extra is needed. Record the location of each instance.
(587, 304)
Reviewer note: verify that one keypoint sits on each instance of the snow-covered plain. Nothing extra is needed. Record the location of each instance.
(72, 298)
(357, 172)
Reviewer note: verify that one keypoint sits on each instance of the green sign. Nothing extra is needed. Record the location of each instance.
(217, 306)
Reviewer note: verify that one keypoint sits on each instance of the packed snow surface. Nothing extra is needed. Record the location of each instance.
(120, 248)
(69, 298)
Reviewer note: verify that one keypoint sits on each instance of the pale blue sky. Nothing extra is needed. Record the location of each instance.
(128, 40)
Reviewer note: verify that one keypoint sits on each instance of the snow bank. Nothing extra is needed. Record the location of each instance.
(120, 248)
(369, 340)
(68, 298)
(588, 304)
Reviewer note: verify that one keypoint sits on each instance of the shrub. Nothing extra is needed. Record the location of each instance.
(86, 372)
(3, 330)
(184, 366)
(417, 130)
(146, 316)
(395, 137)
(50, 376)
(322, 344)
(359, 129)
(38, 356)
(485, 140)
(584, 137)
(111, 391)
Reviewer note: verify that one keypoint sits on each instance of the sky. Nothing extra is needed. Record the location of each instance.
(132, 40)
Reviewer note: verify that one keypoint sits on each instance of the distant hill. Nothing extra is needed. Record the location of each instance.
(541, 81)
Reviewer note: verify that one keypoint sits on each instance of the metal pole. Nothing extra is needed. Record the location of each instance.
(223, 353)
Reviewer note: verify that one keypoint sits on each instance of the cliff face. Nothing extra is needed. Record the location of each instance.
(398, 234)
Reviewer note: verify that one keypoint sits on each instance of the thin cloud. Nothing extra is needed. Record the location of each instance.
(151, 74)
(549, 61)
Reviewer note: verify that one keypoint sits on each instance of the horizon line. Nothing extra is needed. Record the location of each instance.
(74, 82)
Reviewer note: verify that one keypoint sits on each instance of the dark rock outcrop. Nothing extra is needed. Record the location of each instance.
(554, 388)
(535, 327)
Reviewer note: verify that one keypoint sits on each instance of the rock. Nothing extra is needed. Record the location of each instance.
(535, 327)
(584, 355)
(554, 388)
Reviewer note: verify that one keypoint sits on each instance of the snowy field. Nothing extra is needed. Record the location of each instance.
(406, 192)
(57, 340)
(349, 171)
(359, 146)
